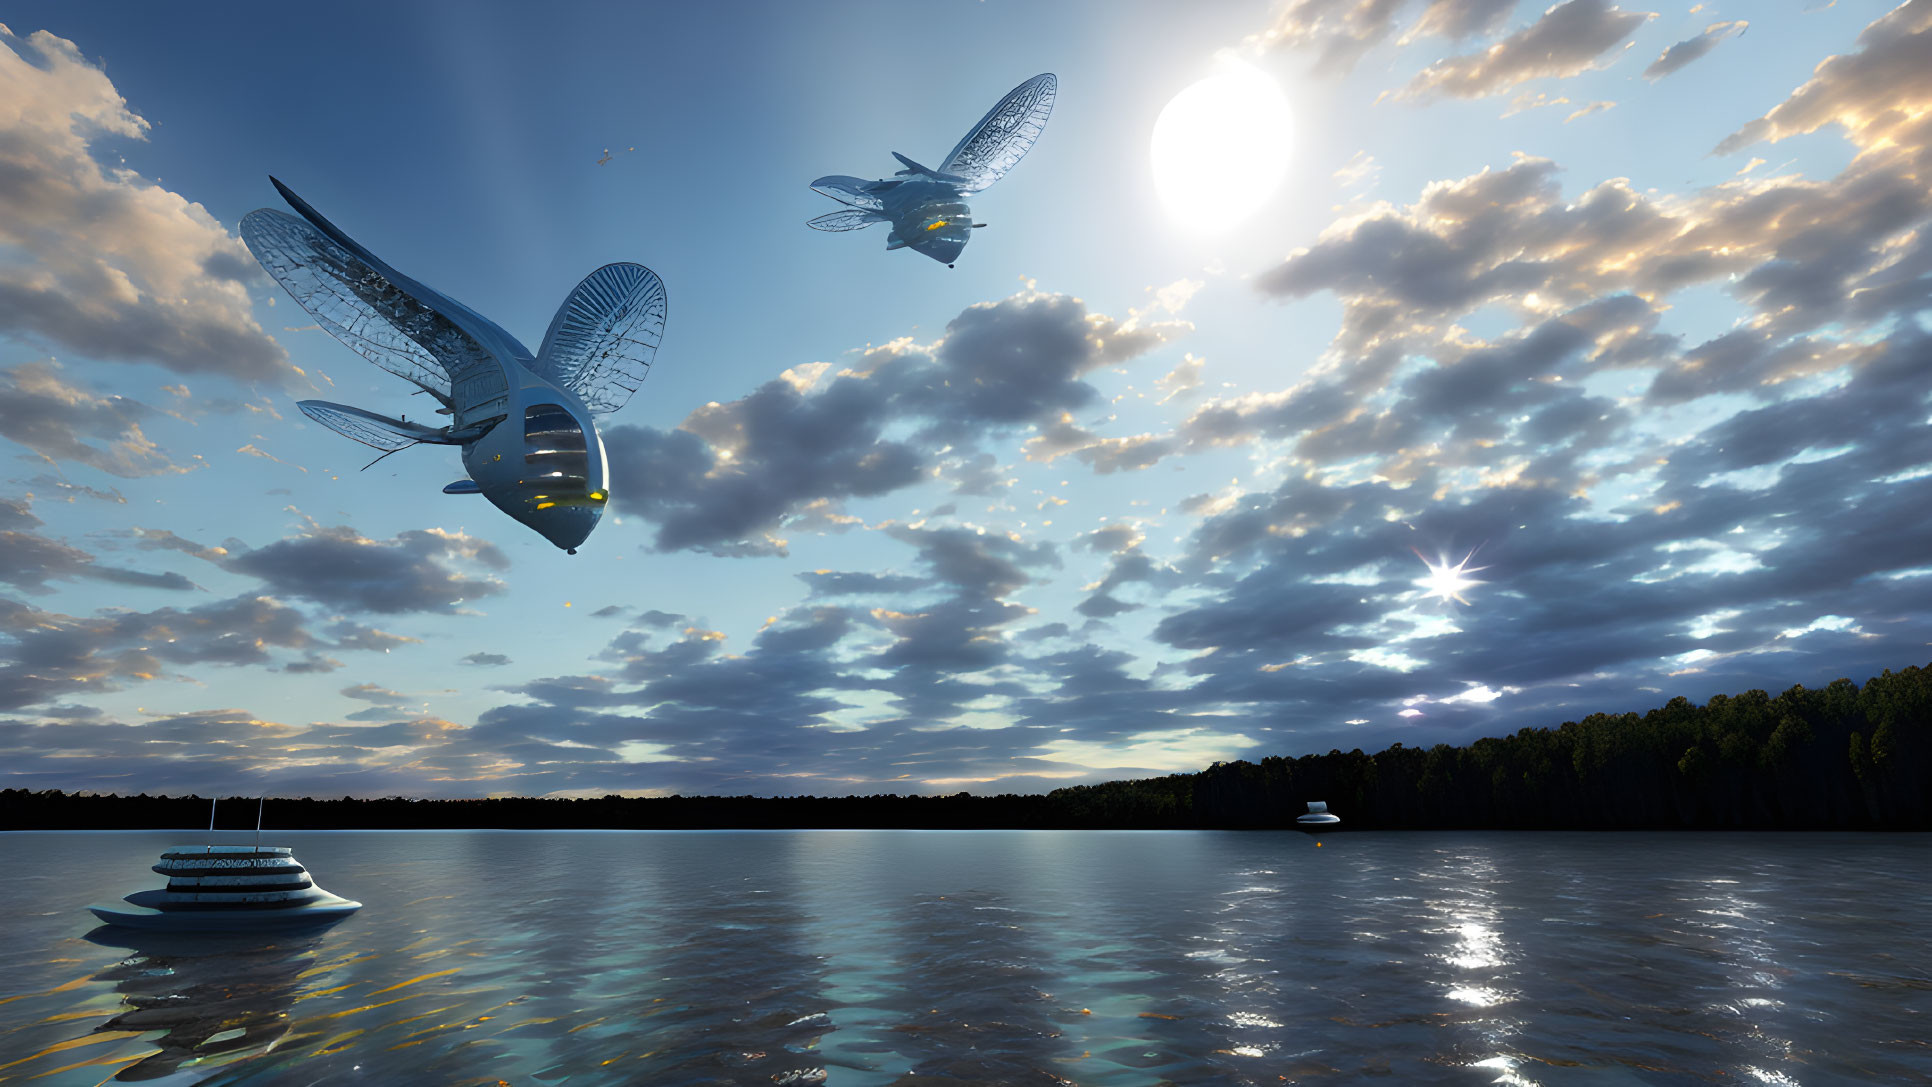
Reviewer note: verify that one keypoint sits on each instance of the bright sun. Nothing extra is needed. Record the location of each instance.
(1446, 582)
(1221, 147)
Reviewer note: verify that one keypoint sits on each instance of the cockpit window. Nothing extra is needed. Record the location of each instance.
(553, 448)
(549, 421)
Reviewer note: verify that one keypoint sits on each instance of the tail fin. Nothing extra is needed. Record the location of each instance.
(848, 219)
(914, 168)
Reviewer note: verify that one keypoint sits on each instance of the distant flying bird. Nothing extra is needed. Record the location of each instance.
(523, 421)
(926, 207)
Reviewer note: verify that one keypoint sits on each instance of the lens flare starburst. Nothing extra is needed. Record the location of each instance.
(1446, 582)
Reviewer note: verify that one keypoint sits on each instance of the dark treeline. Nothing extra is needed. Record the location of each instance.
(1841, 758)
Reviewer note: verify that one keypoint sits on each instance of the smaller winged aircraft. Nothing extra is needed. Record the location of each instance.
(523, 421)
(927, 207)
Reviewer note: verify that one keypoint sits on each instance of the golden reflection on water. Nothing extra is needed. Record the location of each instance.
(195, 1003)
(200, 1000)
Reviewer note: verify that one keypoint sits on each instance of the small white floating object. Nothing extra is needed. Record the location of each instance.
(1318, 817)
(228, 887)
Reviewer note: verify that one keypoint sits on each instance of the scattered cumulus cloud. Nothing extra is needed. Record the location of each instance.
(1677, 56)
(1567, 40)
(732, 476)
(1340, 32)
(63, 422)
(425, 570)
(98, 260)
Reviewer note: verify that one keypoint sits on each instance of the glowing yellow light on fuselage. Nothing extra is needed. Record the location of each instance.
(937, 223)
(545, 505)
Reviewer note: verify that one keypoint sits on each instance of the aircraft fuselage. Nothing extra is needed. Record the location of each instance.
(544, 463)
(928, 217)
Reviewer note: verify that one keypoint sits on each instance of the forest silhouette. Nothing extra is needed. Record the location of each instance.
(1841, 758)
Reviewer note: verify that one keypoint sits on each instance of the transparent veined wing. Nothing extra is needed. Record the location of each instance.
(601, 342)
(376, 431)
(1004, 136)
(850, 190)
(359, 305)
(849, 219)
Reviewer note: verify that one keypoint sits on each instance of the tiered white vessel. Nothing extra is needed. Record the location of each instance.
(228, 887)
(1318, 817)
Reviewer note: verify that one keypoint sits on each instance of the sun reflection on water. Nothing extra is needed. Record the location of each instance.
(1477, 955)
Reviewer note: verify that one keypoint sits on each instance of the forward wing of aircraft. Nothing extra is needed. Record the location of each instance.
(408, 329)
(357, 304)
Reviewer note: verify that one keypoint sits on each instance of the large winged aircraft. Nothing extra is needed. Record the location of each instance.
(927, 207)
(523, 421)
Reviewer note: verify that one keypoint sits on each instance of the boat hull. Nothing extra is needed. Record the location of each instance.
(228, 888)
(318, 911)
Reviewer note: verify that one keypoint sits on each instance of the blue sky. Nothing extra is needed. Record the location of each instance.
(1627, 299)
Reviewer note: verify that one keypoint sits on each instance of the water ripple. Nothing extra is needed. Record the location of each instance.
(854, 959)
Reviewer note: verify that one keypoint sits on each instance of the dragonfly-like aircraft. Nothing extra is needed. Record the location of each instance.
(927, 207)
(523, 421)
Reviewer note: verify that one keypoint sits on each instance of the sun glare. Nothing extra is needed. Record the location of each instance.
(1221, 147)
(1446, 582)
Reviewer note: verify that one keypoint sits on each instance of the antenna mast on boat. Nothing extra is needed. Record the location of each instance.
(258, 821)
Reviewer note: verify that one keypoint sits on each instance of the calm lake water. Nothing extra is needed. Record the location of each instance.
(856, 958)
